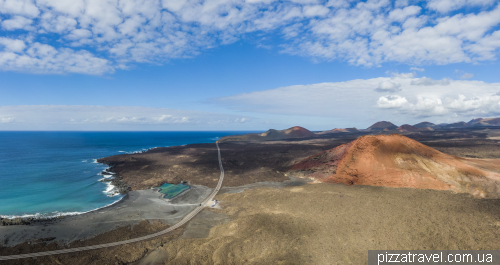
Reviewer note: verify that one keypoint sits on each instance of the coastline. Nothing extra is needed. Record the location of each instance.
(114, 180)
(131, 209)
(27, 219)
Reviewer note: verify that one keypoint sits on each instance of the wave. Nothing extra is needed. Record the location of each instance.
(57, 214)
(111, 190)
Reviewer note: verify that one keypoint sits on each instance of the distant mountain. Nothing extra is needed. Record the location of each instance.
(272, 134)
(425, 124)
(382, 125)
(407, 128)
(455, 125)
(485, 122)
(342, 130)
(293, 132)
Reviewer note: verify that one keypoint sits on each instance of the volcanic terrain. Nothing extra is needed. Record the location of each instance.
(272, 134)
(398, 161)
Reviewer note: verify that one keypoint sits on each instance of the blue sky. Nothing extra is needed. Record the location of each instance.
(245, 65)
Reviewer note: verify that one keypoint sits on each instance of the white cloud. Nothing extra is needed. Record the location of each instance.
(64, 117)
(401, 15)
(357, 100)
(466, 76)
(477, 105)
(417, 69)
(402, 75)
(391, 102)
(315, 11)
(6, 119)
(41, 58)
(362, 33)
(388, 86)
(425, 107)
(445, 6)
(12, 45)
(425, 81)
(17, 22)
(19, 7)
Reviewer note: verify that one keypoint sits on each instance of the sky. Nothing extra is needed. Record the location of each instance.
(147, 65)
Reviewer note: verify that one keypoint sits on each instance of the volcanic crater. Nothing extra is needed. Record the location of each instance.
(398, 161)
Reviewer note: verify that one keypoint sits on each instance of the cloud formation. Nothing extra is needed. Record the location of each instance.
(425, 81)
(100, 36)
(388, 86)
(404, 99)
(55, 117)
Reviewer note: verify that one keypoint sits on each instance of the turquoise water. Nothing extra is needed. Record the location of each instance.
(53, 173)
(171, 190)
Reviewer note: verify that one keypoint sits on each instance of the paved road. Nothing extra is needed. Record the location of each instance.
(184, 220)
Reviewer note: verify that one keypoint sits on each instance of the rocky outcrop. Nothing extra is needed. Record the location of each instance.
(27, 220)
(398, 161)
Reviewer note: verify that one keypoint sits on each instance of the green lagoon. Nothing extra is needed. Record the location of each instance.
(172, 190)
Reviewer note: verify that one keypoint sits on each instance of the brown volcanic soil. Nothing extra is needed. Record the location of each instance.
(250, 162)
(398, 161)
(313, 224)
(246, 163)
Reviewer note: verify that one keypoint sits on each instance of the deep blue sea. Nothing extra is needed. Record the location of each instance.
(53, 173)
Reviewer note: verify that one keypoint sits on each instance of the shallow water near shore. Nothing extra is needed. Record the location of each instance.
(56, 173)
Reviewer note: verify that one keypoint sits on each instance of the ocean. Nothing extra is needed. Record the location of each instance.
(55, 173)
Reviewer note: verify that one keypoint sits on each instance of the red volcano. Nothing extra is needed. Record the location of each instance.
(398, 161)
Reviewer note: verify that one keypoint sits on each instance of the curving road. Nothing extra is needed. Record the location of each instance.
(184, 220)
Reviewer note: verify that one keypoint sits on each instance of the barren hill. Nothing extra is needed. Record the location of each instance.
(406, 128)
(398, 161)
(272, 134)
(340, 130)
(485, 122)
(409, 128)
(424, 125)
(382, 125)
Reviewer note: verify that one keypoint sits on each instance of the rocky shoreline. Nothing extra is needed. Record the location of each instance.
(116, 180)
(28, 220)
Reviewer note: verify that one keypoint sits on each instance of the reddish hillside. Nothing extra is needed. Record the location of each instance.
(298, 132)
(398, 161)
